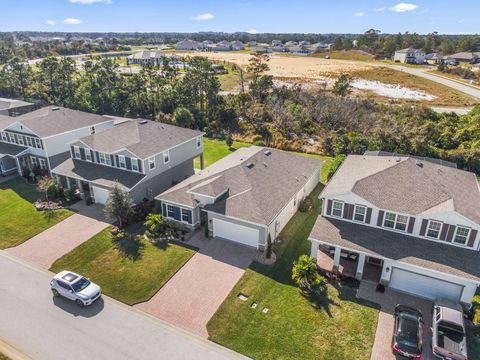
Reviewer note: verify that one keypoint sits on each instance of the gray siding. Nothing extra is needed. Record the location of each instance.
(8, 165)
(58, 159)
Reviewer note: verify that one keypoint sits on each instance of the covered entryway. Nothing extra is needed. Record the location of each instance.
(424, 286)
(99, 195)
(238, 233)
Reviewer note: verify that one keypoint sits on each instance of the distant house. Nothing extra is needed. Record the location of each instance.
(300, 50)
(277, 43)
(291, 43)
(433, 58)
(252, 43)
(304, 43)
(147, 56)
(237, 45)
(12, 107)
(261, 49)
(409, 56)
(190, 45)
(319, 47)
(464, 58)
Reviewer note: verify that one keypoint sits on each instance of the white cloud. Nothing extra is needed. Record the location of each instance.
(204, 17)
(89, 2)
(72, 21)
(252, 31)
(50, 22)
(359, 13)
(403, 7)
(380, 9)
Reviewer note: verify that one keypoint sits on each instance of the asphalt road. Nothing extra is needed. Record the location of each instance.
(447, 82)
(47, 328)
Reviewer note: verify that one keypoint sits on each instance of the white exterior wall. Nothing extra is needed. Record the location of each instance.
(292, 207)
(469, 289)
(452, 218)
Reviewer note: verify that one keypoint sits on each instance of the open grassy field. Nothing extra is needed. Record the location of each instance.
(346, 55)
(18, 218)
(129, 271)
(339, 327)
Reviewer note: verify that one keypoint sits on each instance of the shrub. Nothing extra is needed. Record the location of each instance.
(306, 205)
(336, 162)
(305, 274)
(268, 253)
(154, 224)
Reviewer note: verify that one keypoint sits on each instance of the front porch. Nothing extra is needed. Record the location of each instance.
(334, 260)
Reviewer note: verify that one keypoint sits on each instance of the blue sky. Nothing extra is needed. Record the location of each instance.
(315, 16)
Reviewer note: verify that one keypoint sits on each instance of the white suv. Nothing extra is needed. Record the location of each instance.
(75, 287)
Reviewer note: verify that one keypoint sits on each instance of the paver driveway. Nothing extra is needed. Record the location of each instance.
(191, 297)
(46, 247)
(388, 300)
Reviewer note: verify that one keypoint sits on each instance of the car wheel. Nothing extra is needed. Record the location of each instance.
(80, 303)
(55, 293)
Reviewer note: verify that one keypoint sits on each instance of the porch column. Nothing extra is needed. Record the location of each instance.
(79, 185)
(314, 249)
(69, 186)
(19, 168)
(360, 266)
(202, 162)
(336, 258)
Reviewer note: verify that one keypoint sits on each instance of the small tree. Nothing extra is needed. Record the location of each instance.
(268, 253)
(154, 224)
(119, 204)
(342, 86)
(48, 186)
(229, 141)
(334, 165)
(305, 274)
(183, 117)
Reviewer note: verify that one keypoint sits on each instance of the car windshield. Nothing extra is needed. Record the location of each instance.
(80, 284)
(408, 330)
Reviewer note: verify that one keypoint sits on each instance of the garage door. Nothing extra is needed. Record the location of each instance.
(100, 195)
(424, 286)
(234, 232)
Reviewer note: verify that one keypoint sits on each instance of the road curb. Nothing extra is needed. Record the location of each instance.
(11, 352)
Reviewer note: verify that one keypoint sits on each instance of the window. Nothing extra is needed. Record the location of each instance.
(461, 235)
(121, 161)
(151, 163)
(29, 141)
(34, 161)
(20, 139)
(337, 209)
(43, 164)
(88, 155)
(360, 212)
(104, 158)
(199, 141)
(76, 151)
(11, 137)
(166, 157)
(434, 228)
(395, 221)
(134, 164)
(170, 211)
(186, 215)
(4, 136)
(38, 142)
(92, 130)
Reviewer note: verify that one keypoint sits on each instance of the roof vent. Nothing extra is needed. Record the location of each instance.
(142, 121)
(267, 152)
(250, 165)
(419, 163)
(265, 164)
(55, 108)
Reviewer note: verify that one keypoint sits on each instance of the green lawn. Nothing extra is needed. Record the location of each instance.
(20, 221)
(342, 327)
(132, 272)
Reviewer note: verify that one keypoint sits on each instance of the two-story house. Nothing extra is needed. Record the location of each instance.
(145, 157)
(38, 140)
(410, 224)
(409, 56)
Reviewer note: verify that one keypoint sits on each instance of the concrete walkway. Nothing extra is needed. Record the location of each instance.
(46, 328)
(191, 297)
(388, 300)
(46, 247)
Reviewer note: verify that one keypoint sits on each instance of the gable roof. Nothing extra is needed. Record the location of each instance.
(253, 184)
(53, 120)
(6, 121)
(143, 138)
(12, 103)
(407, 185)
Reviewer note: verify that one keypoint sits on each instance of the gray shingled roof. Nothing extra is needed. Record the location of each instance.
(6, 121)
(12, 103)
(52, 120)
(254, 193)
(400, 184)
(10, 149)
(97, 174)
(144, 138)
(400, 247)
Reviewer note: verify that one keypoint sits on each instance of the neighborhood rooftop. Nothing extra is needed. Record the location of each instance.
(143, 138)
(53, 120)
(12, 103)
(414, 186)
(252, 184)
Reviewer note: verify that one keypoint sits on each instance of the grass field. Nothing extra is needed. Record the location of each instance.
(18, 218)
(341, 328)
(445, 96)
(130, 271)
(346, 55)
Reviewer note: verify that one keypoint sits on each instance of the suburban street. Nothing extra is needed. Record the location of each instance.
(43, 327)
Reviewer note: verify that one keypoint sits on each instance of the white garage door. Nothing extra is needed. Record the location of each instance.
(238, 233)
(100, 195)
(424, 286)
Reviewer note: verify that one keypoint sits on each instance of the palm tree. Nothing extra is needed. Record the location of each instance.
(304, 273)
(153, 223)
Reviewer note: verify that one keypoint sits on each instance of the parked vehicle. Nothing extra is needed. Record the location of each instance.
(449, 341)
(75, 287)
(407, 332)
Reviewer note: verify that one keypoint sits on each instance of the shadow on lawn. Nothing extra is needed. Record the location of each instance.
(22, 188)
